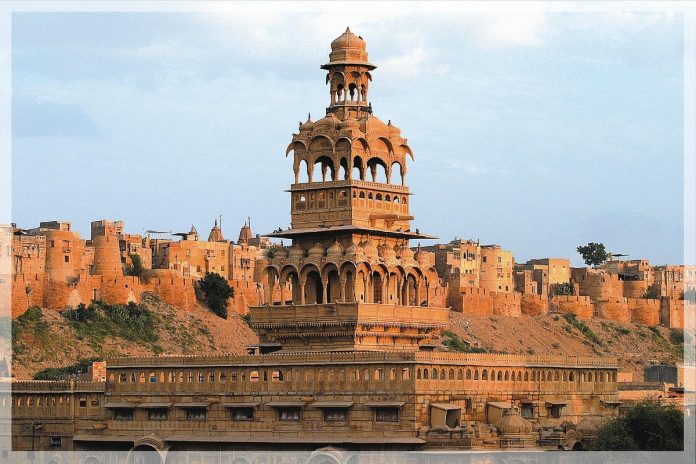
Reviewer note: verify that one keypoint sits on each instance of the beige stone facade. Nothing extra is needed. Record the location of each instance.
(348, 355)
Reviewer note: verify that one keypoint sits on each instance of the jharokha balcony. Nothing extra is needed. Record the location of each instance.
(348, 326)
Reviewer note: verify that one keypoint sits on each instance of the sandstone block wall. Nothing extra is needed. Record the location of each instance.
(614, 309)
(534, 304)
(477, 301)
(581, 306)
(672, 312)
(644, 311)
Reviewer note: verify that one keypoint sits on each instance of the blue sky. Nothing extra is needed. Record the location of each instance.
(539, 131)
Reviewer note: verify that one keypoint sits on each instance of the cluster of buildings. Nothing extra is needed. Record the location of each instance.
(485, 280)
(51, 266)
(348, 357)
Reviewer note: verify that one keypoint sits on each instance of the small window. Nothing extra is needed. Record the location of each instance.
(157, 414)
(335, 414)
(67, 258)
(254, 376)
(95, 401)
(527, 410)
(555, 411)
(83, 402)
(123, 414)
(56, 441)
(243, 414)
(289, 414)
(387, 414)
(194, 414)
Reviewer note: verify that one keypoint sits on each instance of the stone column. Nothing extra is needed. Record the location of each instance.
(324, 291)
(342, 291)
(282, 293)
(302, 295)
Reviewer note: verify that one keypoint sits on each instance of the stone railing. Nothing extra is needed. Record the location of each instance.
(336, 312)
(350, 183)
(56, 386)
(516, 360)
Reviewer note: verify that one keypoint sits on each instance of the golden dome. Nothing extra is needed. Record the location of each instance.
(335, 251)
(348, 40)
(296, 252)
(348, 48)
(307, 125)
(329, 121)
(513, 423)
(350, 123)
(369, 249)
(317, 251)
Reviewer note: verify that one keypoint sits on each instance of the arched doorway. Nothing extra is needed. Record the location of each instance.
(314, 290)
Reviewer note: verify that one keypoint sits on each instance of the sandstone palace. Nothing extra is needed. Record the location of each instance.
(348, 319)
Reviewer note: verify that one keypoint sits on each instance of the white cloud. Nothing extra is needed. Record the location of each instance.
(502, 30)
(413, 64)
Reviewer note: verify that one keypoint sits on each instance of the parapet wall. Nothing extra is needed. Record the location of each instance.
(477, 301)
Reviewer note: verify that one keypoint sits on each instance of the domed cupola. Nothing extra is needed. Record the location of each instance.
(281, 252)
(308, 125)
(329, 122)
(369, 249)
(513, 423)
(350, 124)
(296, 252)
(317, 251)
(355, 252)
(335, 251)
(386, 252)
(348, 47)
(424, 258)
(404, 252)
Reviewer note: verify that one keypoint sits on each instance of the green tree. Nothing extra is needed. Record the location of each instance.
(562, 289)
(216, 291)
(137, 267)
(593, 253)
(648, 426)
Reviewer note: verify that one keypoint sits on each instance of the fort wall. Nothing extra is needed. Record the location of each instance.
(581, 306)
(534, 305)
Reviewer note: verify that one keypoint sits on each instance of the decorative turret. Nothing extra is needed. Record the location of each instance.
(215, 233)
(245, 233)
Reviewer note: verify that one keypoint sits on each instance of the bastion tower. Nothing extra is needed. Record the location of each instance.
(350, 280)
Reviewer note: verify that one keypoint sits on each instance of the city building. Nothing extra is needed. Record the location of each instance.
(349, 355)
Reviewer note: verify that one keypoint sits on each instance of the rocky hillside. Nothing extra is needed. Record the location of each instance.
(47, 339)
(636, 346)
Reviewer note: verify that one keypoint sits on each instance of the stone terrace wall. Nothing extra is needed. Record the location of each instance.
(672, 312)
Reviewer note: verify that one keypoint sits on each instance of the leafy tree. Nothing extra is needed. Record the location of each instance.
(648, 426)
(216, 291)
(562, 289)
(651, 293)
(137, 268)
(593, 253)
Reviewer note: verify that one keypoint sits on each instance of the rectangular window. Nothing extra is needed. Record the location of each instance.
(527, 410)
(289, 414)
(83, 402)
(243, 414)
(56, 441)
(67, 258)
(123, 414)
(555, 411)
(335, 414)
(195, 414)
(387, 414)
(157, 414)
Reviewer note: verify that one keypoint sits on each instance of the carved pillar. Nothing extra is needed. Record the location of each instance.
(342, 290)
(324, 291)
(282, 293)
(302, 286)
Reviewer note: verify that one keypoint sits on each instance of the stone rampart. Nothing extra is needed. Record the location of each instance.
(581, 306)
(534, 305)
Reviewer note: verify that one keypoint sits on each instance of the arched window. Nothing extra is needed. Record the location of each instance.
(418, 374)
(405, 373)
(500, 376)
(425, 374)
(476, 374)
(362, 194)
(507, 376)
(451, 374)
(571, 377)
(434, 373)
(468, 374)
(442, 374)
(460, 375)
(526, 376)
(484, 375)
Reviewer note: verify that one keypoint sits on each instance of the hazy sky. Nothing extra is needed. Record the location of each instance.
(536, 131)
